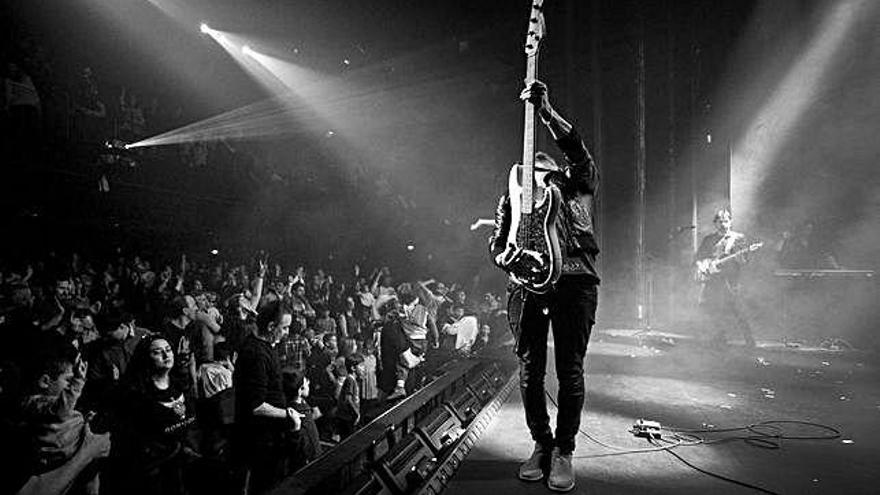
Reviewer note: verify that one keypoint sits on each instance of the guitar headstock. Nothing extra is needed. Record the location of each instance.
(536, 28)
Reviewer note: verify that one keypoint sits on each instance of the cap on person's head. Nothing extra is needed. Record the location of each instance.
(545, 163)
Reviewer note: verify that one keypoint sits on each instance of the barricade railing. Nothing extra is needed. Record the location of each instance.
(400, 451)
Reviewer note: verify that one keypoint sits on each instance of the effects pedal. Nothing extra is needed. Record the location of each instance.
(647, 429)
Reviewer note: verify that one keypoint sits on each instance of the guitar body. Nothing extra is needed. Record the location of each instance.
(709, 268)
(533, 257)
(706, 268)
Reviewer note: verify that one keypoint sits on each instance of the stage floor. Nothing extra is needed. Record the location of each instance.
(685, 384)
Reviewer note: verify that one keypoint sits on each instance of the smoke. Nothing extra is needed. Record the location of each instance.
(814, 159)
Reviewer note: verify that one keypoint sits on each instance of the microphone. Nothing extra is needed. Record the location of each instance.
(677, 231)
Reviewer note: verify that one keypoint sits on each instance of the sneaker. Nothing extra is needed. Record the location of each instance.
(561, 473)
(398, 393)
(533, 468)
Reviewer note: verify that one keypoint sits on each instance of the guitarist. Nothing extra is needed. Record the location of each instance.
(720, 297)
(570, 304)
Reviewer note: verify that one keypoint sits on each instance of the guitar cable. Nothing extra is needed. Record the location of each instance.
(765, 434)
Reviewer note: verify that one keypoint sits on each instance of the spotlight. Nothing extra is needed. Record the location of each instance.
(204, 28)
(115, 144)
(215, 252)
(246, 51)
(410, 247)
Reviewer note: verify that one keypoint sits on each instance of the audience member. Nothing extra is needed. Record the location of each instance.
(306, 442)
(216, 376)
(144, 386)
(109, 357)
(262, 415)
(394, 346)
(55, 427)
(348, 408)
(153, 424)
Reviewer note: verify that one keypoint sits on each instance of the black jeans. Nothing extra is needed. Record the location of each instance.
(571, 307)
(724, 310)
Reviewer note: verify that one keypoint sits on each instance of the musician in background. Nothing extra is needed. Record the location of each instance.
(720, 296)
(570, 304)
(804, 250)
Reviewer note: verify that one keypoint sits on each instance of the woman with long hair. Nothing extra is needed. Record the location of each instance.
(153, 422)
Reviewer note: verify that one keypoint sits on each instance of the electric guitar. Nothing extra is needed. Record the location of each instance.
(532, 256)
(708, 267)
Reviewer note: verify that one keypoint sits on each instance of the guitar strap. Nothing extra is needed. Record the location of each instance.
(516, 301)
(724, 245)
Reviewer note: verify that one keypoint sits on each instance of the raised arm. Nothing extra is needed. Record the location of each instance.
(538, 94)
(257, 293)
(581, 169)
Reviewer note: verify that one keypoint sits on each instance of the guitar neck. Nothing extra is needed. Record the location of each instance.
(731, 256)
(528, 158)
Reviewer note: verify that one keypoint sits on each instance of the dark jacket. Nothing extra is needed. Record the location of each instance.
(577, 181)
(257, 380)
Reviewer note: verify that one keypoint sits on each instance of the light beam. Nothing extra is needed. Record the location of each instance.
(776, 123)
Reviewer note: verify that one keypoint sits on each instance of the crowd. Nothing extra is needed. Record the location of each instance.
(126, 376)
(133, 374)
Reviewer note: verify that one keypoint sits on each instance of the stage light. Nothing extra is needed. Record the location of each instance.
(215, 252)
(410, 247)
(204, 28)
(115, 144)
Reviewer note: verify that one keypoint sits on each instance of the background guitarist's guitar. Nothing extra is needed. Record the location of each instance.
(532, 256)
(708, 267)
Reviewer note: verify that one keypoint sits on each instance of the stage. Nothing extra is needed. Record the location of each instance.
(683, 383)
